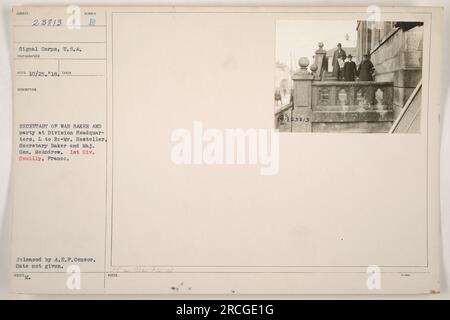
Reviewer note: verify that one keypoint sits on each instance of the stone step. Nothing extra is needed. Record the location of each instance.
(353, 116)
(327, 75)
(354, 108)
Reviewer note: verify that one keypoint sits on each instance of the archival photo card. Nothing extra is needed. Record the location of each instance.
(153, 154)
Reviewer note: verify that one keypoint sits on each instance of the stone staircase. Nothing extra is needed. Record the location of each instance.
(328, 76)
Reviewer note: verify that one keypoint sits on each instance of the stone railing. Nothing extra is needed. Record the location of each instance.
(369, 95)
(336, 106)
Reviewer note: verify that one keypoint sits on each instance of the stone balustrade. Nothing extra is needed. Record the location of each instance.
(336, 106)
(369, 95)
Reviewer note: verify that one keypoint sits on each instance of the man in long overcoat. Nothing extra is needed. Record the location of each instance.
(366, 69)
(339, 53)
(349, 71)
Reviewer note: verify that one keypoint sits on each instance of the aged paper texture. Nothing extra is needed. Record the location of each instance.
(225, 150)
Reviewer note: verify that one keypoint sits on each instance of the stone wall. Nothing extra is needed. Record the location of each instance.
(399, 59)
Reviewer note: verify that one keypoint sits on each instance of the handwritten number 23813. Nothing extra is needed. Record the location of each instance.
(47, 22)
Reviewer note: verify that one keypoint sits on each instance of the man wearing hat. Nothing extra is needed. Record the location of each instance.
(349, 71)
(366, 69)
(339, 54)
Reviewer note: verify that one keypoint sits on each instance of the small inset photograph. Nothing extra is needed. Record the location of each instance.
(348, 76)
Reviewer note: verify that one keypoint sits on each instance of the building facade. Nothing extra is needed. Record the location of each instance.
(396, 51)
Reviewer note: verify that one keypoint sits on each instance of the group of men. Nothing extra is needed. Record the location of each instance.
(345, 69)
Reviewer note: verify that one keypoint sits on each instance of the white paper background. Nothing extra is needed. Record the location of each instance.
(6, 127)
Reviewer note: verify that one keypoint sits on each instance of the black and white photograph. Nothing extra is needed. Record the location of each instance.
(348, 76)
